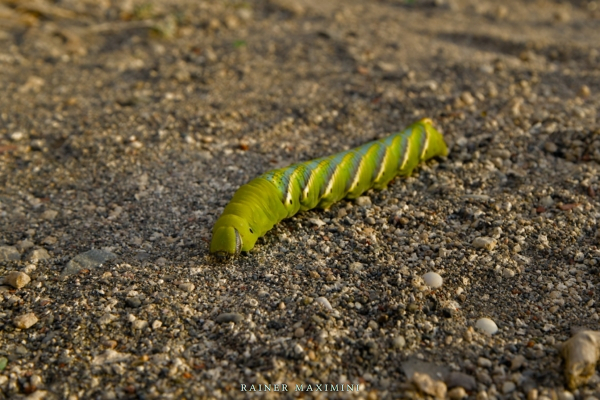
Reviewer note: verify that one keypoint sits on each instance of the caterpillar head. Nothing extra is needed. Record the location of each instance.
(231, 235)
(226, 241)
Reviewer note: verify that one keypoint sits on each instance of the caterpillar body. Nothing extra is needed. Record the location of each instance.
(264, 201)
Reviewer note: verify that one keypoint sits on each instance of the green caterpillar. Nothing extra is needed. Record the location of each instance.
(281, 193)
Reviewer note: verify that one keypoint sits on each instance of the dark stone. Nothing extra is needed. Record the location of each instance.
(133, 302)
(461, 379)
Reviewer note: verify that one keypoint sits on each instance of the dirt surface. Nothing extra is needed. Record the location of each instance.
(126, 126)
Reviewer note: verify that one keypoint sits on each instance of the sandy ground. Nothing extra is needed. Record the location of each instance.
(126, 126)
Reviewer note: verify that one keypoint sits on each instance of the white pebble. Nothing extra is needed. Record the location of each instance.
(486, 325)
(399, 342)
(316, 221)
(433, 279)
(16, 136)
(324, 302)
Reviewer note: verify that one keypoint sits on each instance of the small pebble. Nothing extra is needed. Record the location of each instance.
(299, 332)
(532, 394)
(584, 91)
(9, 253)
(484, 362)
(161, 261)
(484, 242)
(356, 267)
(565, 395)
(89, 260)
(399, 342)
(25, 321)
(486, 325)
(17, 279)
(50, 240)
(187, 287)
(109, 343)
(461, 379)
(508, 273)
(49, 215)
(363, 201)
(324, 302)
(156, 324)
(467, 98)
(457, 393)
(37, 395)
(24, 245)
(16, 136)
(550, 147)
(317, 222)
(517, 362)
(106, 319)
(35, 380)
(252, 302)
(29, 269)
(139, 324)
(508, 387)
(229, 317)
(546, 201)
(429, 386)
(38, 254)
(133, 302)
(433, 279)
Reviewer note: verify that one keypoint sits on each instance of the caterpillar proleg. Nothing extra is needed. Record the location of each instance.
(264, 201)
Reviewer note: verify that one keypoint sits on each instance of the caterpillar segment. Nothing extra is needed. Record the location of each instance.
(281, 193)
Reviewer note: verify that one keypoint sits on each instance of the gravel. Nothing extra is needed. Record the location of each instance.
(126, 127)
